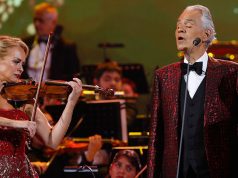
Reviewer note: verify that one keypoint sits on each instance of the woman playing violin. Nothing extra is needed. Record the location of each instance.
(15, 126)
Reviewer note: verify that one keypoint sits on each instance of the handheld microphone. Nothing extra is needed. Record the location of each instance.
(196, 42)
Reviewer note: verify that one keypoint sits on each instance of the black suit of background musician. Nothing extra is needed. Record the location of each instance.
(64, 58)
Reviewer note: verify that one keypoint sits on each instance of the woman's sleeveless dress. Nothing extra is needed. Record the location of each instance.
(13, 160)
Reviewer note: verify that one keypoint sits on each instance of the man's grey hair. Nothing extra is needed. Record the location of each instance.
(206, 19)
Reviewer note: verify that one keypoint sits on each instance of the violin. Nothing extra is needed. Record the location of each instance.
(55, 89)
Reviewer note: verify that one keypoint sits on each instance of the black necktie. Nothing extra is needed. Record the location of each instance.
(197, 67)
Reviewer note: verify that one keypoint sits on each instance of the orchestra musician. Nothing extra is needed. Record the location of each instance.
(108, 74)
(15, 126)
(62, 62)
(125, 164)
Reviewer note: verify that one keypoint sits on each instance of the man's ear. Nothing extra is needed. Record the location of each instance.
(207, 35)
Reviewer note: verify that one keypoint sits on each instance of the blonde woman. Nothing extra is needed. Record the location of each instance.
(14, 122)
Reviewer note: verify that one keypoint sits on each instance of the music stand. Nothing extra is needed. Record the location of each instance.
(104, 117)
(56, 111)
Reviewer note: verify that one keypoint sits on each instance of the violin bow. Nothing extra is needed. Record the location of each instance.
(41, 77)
(141, 171)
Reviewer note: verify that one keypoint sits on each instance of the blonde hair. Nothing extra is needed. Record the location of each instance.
(46, 7)
(7, 42)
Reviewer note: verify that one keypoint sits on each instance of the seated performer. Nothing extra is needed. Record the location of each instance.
(125, 164)
(109, 75)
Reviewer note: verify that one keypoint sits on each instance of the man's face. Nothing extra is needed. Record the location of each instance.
(110, 79)
(45, 23)
(189, 27)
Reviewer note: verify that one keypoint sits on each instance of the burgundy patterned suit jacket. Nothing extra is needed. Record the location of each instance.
(220, 120)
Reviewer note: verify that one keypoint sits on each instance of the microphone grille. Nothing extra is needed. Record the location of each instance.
(196, 41)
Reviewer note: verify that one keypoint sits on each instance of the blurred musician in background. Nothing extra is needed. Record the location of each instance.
(109, 75)
(92, 155)
(63, 61)
(129, 88)
(125, 164)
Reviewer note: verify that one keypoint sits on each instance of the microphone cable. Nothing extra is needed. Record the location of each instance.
(195, 43)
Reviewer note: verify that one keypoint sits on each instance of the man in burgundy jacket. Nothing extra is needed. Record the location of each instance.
(209, 142)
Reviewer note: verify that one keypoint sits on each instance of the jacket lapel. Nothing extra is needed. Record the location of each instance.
(175, 89)
(212, 83)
